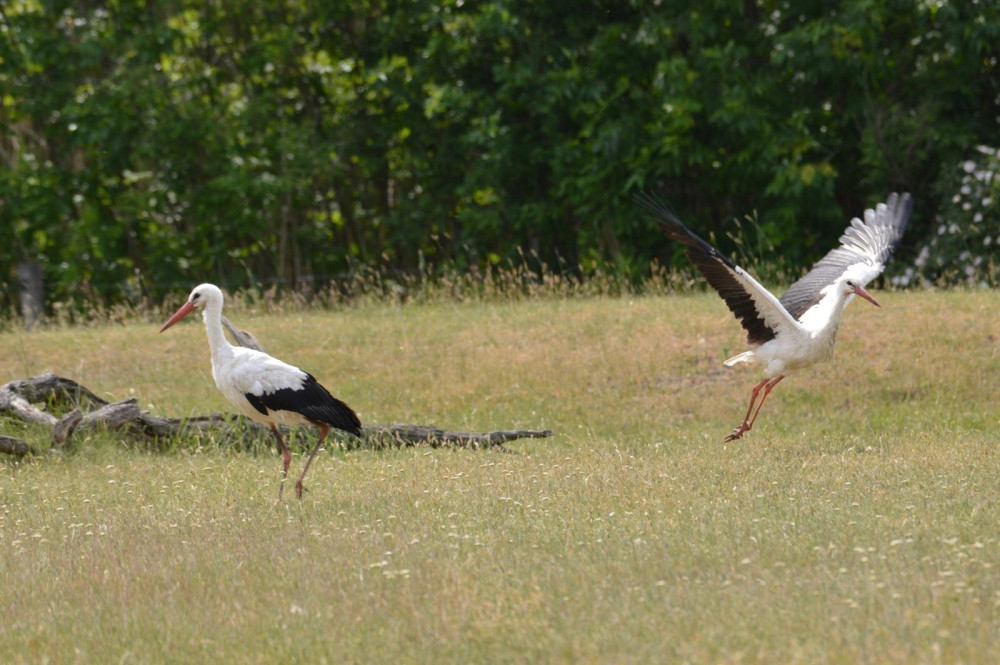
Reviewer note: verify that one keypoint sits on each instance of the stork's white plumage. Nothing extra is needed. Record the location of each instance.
(800, 329)
(266, 389)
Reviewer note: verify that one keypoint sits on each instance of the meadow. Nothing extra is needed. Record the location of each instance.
(857, 522)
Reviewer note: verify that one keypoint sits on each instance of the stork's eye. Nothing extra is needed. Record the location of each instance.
(195, 297)
(850, 283)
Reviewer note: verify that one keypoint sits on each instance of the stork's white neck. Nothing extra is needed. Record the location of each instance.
(825, 315)
(217, 342)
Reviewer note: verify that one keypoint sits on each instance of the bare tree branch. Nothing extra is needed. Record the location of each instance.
(242, 337)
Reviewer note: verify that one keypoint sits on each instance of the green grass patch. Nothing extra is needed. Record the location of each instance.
(857, 522)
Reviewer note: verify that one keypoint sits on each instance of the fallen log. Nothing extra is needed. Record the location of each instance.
(49, 387)
(408, 435)
(18, 398)
(14, 446)
(22, 409)
(111, 416)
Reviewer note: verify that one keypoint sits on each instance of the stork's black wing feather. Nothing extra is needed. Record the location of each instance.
(868, 245)
(313, 401)
(719, 271)
(256, 402)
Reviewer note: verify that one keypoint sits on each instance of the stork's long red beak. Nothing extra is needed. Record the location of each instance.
(185, 309)
(858, 291)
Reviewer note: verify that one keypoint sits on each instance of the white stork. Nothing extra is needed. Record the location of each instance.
(800, 329)
(266, 389)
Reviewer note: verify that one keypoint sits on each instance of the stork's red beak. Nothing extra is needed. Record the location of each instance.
(860, 291)
(185, 309)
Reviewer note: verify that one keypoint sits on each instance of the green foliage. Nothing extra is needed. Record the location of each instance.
(149, 145)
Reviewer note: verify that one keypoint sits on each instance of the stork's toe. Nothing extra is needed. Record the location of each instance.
(738, 432)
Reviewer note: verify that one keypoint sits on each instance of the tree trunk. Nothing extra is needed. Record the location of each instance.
(31, 285)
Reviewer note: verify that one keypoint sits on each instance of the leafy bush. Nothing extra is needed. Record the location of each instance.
(964, 247)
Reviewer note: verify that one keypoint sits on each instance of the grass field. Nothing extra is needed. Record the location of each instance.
(857, 522)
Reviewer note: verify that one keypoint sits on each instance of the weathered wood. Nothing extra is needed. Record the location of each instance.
(65, 427)
(115, 415)
(49, 387)
(13, 404)
(111, 416)
(16, 398)
(404, 434)
(13, 446)
(242, 337)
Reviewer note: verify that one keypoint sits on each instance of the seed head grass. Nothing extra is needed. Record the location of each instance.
(857, 521)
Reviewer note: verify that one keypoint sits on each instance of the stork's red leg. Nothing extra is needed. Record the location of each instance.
(742, 428)
(745, 425)
(286, 456)
(767, 390)
(323, 429)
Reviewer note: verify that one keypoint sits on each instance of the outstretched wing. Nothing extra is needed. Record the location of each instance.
(760, 313)
(864, 250)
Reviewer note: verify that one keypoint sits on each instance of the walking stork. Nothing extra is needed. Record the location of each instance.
(800, 328)
(266, 389)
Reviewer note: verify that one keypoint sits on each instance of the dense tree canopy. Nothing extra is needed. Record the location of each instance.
(147, 145)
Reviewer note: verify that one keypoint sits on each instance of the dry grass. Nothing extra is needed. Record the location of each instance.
(857, 522)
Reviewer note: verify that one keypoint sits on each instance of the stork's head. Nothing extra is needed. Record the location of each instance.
(201, 296)
(851, 287)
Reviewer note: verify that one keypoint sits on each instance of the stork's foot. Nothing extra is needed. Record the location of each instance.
(738, 431)
(299, 489)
